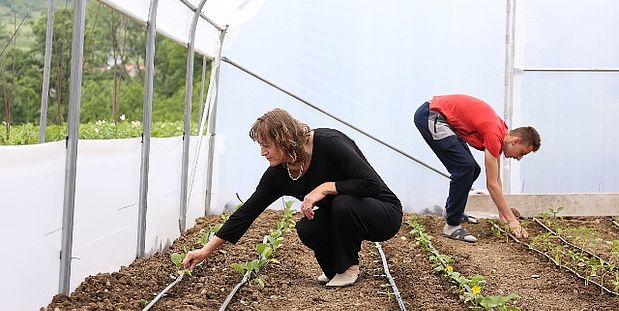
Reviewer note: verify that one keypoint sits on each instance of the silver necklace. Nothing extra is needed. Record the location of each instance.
(298, 176)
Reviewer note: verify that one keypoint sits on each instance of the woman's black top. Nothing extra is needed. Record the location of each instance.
(335, 157)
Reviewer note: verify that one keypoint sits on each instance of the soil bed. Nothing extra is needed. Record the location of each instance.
(291, 285)
(598, 235)
(513, 268)
(590, 237)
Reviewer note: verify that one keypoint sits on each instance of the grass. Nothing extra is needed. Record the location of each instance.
(27, 134)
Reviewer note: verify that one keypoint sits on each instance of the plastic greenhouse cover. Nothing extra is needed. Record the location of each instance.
(174, 18)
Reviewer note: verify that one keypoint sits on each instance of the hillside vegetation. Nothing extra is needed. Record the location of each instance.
(113, 69)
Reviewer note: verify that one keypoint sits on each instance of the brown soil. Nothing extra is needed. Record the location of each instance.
(291, 285)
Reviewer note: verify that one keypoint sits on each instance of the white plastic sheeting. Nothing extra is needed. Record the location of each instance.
(32, 180)
(367, 62)
(372, 64)
(574, 111)
(105, 211)
(174, 18)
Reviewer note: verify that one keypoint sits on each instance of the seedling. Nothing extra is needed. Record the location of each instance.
(208, 235)
(615, 282)
(177, 259)
(499, 302)
(469, 288)
(265, 250)
(552, 212)
(144, 302)
(494, 229)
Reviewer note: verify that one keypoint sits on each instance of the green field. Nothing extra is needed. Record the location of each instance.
(12, 11)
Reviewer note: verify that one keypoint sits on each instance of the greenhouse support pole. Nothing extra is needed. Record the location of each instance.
(182, 221)
(149, 65)
(77, 55)
(204, 118)
(508, 108)
(212, 123)
(51, 7)
(202, 87)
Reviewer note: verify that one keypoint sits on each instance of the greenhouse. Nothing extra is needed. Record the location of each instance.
(97, 224)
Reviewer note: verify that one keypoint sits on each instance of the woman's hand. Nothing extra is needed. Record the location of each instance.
(307, 207)
(193, 258)
(196, 256)
(309, 201)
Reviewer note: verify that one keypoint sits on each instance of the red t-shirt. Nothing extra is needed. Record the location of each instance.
(473, 120)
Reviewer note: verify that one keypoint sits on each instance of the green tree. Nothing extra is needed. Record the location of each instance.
(112, 44)
(61, 60)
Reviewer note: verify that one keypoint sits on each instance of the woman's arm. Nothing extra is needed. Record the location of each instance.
(239, 222)
(196, 256)
(360, 180)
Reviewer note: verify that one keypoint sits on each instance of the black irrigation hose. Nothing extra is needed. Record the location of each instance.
(556, 263)
(396, 292)
(570, 244)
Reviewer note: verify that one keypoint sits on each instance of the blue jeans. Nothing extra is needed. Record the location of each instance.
(455, 155)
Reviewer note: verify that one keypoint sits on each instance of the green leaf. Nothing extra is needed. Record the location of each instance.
(238, 268)
(177, 259)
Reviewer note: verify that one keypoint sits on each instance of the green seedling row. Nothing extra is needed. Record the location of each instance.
(469, 288)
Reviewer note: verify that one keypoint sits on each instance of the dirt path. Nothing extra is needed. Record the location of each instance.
(420, 287)
(292, 285)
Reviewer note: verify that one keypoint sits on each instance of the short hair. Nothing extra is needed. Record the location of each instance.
(286, 132)
(529, 136)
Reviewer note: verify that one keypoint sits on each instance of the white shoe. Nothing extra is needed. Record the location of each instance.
(323, 278)
(344, 279)
(458, 233)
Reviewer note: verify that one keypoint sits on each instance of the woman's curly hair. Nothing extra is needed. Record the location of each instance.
(286, 132)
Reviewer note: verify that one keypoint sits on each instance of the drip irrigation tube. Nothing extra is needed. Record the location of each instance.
(234, 290)
(238, 286)
(165, 290)
(245, 279)
(556, 263)
(396, 292)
